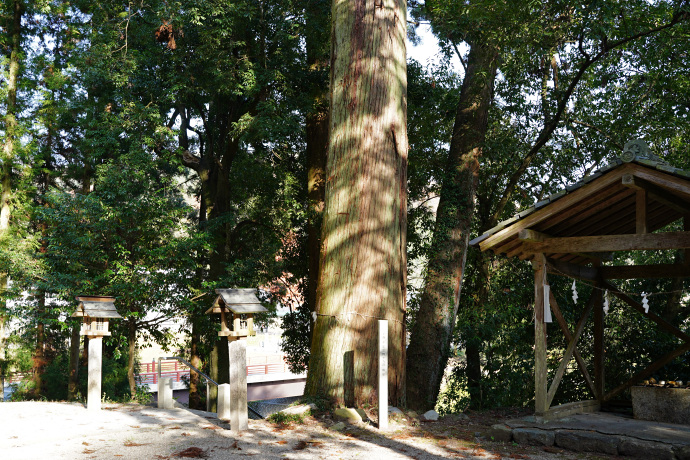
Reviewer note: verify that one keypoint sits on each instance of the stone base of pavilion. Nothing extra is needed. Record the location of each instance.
(601, 432)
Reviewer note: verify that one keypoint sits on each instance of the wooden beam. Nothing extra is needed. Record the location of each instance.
(555, 309)
(540, 366)
(580, 272)
(628, 242)
(657, 193)
(651, 315)
(533, 236)
(626, 272)
(648, 371)
(672, 184)
(563, 203)
(641, 211)
(572, 343)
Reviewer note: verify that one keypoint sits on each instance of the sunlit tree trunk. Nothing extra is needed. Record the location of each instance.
(363, 258)
(131, 356)
(317, 41)
(8, 155)
(431, 335)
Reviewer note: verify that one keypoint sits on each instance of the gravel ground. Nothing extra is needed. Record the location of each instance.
(52, 430)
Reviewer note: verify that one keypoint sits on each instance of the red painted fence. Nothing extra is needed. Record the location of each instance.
(148, 372)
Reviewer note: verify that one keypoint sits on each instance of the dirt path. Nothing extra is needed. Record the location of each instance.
(43, 430)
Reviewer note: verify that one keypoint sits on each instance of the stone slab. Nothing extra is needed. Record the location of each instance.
(587, 441)
(533, 436)
(500, 433)
(636, 448)
(611, 424)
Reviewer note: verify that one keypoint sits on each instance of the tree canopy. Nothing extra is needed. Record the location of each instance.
(157, 151)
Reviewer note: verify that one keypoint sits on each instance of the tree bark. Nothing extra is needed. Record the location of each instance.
(8, 154)
(39, 359)
(131, 356)
(73, 383)
(363, 257)
(429, 348)
(317, 40)
(195, 360)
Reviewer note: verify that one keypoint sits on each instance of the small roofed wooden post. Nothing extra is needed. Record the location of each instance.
(95, 311)
(237, 308)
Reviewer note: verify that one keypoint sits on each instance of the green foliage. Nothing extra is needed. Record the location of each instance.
(295, 343)
(281, 418)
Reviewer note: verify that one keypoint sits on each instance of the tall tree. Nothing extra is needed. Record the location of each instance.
(363, 258)
(549, 33)
(9, 153)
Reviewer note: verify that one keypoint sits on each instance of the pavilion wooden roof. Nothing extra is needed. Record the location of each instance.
(616, 208)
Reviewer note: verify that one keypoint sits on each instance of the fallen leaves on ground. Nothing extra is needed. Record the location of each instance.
(301, 445)
(235, 446)
(133, 444)
(192, 452)
(88, 451)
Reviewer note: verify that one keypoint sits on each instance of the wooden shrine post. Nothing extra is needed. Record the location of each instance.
(540, 367)
(598, 343)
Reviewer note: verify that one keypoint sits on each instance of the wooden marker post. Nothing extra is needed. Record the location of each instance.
(383, 374)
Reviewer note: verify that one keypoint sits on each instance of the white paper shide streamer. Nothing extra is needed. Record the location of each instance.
(606, 302)
(574, 292)
(645, 302)
(547, 304)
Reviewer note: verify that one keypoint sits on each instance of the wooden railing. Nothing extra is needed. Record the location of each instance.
(148, 372)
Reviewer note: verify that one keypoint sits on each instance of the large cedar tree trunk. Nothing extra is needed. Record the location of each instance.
(363, 259)
(429, 348)
(317, 41)
(8, 154)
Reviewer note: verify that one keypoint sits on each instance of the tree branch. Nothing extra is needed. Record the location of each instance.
(550, 127)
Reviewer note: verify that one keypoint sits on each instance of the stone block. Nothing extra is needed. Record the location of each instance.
(394, 411)
(587, 441)
(670, 405)
(300, 409)
(430, 416)
(533, 436)
(636, 448)
(500, 433)
(349, 414)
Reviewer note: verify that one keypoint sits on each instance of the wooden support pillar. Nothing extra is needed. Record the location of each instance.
(641, 212)
(686, 227)
(598, 298)
(540, 369)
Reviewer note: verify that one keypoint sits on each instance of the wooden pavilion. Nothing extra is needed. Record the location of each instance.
(620, 207)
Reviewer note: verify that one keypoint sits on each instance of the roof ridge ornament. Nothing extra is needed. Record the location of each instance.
(636, 150)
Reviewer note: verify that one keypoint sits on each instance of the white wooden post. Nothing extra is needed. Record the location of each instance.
(238, 385)
(165, 393)
(224, 412)
(93, 399)
(383, 374)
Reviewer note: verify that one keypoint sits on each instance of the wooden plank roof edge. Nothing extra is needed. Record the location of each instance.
(642, 162)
